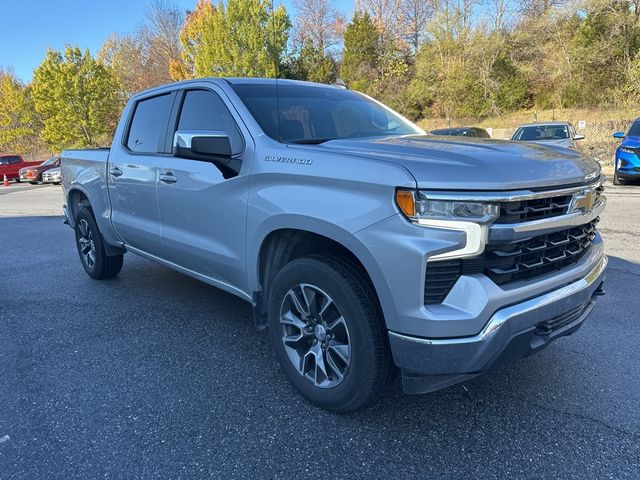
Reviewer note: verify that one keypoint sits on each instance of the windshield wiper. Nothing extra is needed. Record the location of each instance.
(310, 141)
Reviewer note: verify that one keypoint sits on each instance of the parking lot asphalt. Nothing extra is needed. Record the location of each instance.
(155, 375)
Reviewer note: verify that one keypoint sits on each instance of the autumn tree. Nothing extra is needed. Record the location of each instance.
(319, 22)
(19, 122)
(160, 38)
(238, 38)
(415, 15)
(143, 59)
(317, 34)
(77, 98)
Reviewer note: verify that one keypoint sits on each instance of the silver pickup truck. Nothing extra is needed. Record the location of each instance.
(364, 245)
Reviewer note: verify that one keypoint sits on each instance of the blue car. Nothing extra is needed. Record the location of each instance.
(627, 166)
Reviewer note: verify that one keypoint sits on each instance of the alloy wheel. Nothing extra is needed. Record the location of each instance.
(86, 243)
(315, 335)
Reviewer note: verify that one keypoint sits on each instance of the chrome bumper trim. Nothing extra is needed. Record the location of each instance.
(516, 231)
(504, 315)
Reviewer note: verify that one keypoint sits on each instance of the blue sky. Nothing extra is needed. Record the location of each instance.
(30, 27)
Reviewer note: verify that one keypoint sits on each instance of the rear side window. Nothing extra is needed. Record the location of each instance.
(205, 110)
(149, 124)
(9, 160)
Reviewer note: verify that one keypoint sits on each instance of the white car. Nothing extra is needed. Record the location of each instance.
(53, 175)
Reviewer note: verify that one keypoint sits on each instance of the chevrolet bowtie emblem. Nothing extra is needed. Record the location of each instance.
(583, 201)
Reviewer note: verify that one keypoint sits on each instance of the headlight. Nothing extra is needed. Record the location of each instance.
(472, 218)
(417, 206)
(626, 150)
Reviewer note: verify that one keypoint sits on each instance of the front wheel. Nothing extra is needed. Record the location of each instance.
(328, 333)
(91, 249)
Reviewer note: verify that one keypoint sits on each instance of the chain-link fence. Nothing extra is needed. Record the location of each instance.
(597, 125)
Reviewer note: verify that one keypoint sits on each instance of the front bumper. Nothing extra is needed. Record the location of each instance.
(627, 165)
(429, 364)
(28, 177)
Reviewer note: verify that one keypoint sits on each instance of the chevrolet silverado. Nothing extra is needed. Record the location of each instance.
(364, 245)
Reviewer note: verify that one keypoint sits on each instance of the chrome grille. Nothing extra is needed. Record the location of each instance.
(534, 209)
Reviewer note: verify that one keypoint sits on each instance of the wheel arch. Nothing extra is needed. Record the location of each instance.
(282, 245)
(77, 198)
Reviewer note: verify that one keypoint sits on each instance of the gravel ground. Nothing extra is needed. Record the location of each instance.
(155, 375)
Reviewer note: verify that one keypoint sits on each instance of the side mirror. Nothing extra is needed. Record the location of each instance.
(578, 136)
(618, 135)
(204, 145)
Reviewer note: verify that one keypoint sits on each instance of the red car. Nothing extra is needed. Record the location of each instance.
(10, 166)
(33, 174)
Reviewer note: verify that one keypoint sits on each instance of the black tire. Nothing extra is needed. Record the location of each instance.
(95, 261)
(371, 366)
(33, 183)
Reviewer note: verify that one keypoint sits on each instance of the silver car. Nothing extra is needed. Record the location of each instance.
(560, 134)
(53, 175)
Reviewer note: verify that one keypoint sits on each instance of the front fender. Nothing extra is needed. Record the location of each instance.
(286, 221)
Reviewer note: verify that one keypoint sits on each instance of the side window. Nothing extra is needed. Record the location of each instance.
(149, 124)
(14, 160)
(205, 110)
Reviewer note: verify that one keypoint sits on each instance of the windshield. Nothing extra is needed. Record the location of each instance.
(50, 161)
(634, 131)
(542, 132)
(309, 114)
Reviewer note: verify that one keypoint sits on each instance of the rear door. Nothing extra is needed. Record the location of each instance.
(203, 205)
(133, 173)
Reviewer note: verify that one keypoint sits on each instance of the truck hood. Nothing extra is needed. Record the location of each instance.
(475, 164)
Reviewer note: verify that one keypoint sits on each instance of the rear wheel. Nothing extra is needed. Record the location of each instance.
(91, 249)
(328, 333)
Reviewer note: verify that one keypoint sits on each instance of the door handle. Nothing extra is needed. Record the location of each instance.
(115, 171)
(168, 177)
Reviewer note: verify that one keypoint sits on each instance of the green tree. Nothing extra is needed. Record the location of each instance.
(77, 98)
(312, 64)
(19, 123)
(604, 46)
(361, 54)
(240, 38)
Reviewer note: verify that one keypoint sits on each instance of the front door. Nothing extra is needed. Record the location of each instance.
(203, 205)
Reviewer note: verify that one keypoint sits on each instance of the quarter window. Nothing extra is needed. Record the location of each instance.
(149, 124)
